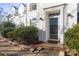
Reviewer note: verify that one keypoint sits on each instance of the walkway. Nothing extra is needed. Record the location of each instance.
(8, 48)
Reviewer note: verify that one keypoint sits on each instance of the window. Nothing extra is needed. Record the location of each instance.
(33, 6)
(33, 22)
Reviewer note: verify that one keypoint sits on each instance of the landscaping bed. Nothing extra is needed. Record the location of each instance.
(29, 50)
(23, 40)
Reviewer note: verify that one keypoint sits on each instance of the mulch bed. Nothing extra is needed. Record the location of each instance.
(48, 47)
(42, 49)
(48, 50)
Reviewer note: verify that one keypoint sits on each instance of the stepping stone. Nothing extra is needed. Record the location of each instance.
(3, 48)
(40, 48)
(2, 41)
(61, 53)
(32, 49)
(5, 44)
(10, 53)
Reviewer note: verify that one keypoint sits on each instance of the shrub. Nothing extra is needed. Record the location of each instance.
(8, 24)
(5, 31)
(10, 34)
(6, 27)
(72, 38)
(15, 33)
(25, 34)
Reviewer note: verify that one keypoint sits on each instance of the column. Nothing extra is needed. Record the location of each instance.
(61, 22)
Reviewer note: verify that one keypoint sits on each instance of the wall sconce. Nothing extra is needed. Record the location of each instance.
(34, 19)
(70, 15)
(41, 18)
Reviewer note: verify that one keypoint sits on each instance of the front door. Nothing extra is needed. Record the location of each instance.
(53, 27)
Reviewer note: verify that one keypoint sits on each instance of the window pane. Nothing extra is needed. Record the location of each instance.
(33, 6)
(33, 22)
(53, 28)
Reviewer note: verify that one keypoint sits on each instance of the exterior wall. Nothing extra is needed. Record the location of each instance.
(68, 17)
(42, 25)
(31, 14)
(72, 9)
(18, 16)
(13, 10)
(15, 20)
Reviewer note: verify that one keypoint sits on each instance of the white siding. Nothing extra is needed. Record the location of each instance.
(65, 21)
(41, 24)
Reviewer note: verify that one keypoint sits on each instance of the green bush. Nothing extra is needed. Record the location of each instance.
(15, 33)
(6, 27)
(72, 38)
(25, 34)
(10, 34)
(6, 30)
(8, 24)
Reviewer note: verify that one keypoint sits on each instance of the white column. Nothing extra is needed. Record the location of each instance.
(25, 20)
(28, 14)
(47, 26)
(61, 21)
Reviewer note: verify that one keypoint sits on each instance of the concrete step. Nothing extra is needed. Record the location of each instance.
(2, 41)
(13, 53)
(3, 48)
(10, 53)
(5, 44)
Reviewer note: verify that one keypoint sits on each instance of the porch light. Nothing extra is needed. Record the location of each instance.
(41, 18)
(34, 19)
(70, 15)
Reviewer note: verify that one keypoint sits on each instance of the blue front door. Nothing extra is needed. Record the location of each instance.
(53, 27)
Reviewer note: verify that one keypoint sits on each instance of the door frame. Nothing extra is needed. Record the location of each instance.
(62, 19)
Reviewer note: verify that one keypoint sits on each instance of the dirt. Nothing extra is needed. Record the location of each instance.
(15, 49)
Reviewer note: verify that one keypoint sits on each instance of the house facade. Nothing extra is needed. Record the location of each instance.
(17, 15)
(51, 19)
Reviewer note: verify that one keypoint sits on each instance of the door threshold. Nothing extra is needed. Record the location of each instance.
(53, 41)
